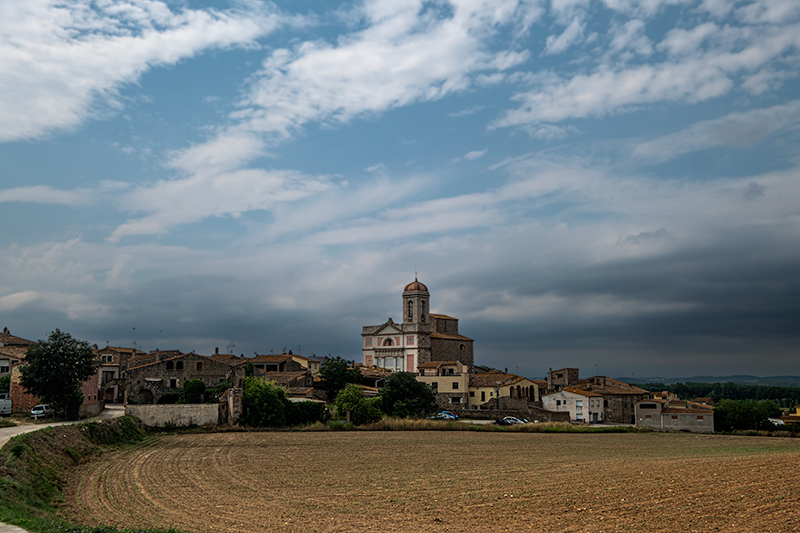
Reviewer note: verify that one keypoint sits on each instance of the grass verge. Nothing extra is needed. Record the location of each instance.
(34, 466)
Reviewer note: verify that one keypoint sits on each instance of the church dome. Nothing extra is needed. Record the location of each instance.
(415, 286)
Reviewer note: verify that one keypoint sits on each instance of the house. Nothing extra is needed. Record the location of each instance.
(112, 361)
(275, 363)
(675, 415)
(421, 338)
(558, 379)
(500, 390)
(582, 406)
(619, 398)
(150, 382)
(792, 418)
(24, 401)
(12, 350)
(450, 380)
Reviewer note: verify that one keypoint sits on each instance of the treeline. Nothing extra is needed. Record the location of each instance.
(786, 397)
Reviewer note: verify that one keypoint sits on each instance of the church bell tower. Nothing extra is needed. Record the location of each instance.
(417, 319)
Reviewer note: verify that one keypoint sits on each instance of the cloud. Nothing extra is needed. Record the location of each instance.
(570, 36)
(59, 62)
(475, 154)
(213, 194)
(404, 55)
(738, 130)
(44, 194)
(693, 74)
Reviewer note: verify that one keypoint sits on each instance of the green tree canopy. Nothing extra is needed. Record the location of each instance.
(337, 374)
(730, 415)
(55, 369)
(404, 396)
(362, 409)
(193, 391)
(265, 404)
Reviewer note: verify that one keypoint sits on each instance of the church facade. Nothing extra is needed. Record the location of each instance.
(422, 337)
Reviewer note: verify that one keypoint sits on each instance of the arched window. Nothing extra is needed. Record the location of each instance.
(410, 310)
(179, 365)
(422, 311)
(169, 365)
(387, 342)
(462, 347)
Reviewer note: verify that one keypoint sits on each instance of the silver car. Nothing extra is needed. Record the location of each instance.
(41, 411)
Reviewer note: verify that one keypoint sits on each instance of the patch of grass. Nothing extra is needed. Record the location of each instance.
(6, 423)
(33, 468)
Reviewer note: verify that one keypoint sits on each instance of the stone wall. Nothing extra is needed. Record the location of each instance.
(450, 350)
(197, 414)
(91, 409)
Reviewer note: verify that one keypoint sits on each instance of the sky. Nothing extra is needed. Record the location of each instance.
(612, 185)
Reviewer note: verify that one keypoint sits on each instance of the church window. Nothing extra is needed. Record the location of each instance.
(410, 341)
(387, 342)
(422, 312)
(410, 309)
(369, 341)
(462, 347)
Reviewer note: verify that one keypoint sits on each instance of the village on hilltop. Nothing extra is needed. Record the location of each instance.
(427, 345)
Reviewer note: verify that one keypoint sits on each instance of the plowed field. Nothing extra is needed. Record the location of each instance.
(444, 481)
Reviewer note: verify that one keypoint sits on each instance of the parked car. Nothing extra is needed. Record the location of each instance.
(443, 416)
(451, 413)
(41, 411)
(510, 421)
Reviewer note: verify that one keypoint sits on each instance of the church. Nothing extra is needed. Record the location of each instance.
(421, 338)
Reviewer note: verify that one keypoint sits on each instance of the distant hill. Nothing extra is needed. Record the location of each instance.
(777, 381)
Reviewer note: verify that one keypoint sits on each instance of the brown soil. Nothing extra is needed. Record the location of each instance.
(444, 481)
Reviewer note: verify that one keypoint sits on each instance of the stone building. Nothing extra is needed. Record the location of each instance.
(113, 360)
(619, 398)
(421, 338)
(558, 379)
(12, 350)
(149, 382)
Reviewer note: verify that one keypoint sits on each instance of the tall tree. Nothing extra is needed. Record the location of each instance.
(404, 396)
(337, 374)
(55, 369)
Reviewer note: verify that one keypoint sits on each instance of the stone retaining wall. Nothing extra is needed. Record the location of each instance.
(197, 414)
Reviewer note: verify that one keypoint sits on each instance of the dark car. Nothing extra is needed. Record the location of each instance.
(510, 421)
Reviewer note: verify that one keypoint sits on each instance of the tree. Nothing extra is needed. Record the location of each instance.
(263, 404)
(193, 391)
(336, 374)
(55, 369)
(5, 383)
(744, 414)
(404, 396)
(359, 408)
